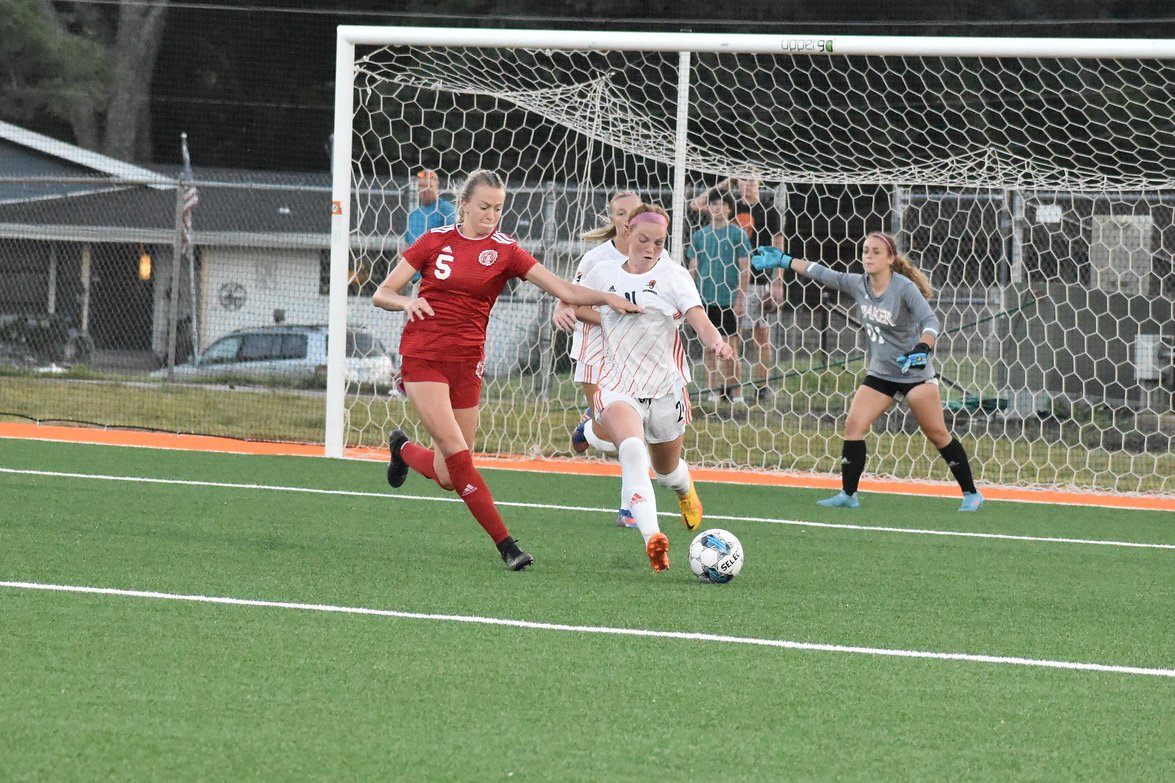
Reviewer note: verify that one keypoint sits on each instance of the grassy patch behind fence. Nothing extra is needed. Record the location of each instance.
(800, 430)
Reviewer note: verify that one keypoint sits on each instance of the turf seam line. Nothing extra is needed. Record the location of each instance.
(606, 630)
(588, 509)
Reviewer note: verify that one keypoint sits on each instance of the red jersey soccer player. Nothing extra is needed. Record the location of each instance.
(463, 269)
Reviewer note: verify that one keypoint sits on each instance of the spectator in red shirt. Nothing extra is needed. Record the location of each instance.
(463, 269)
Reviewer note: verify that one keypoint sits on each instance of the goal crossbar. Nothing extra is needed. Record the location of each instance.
(782, 43)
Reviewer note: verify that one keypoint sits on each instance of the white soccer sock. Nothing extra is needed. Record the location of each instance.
(595, 440)
(636, 491)
(676, 480)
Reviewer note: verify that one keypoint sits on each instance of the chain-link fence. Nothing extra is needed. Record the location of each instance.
(1056, 309)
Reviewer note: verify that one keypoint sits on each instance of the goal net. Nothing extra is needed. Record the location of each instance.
(1032, 180)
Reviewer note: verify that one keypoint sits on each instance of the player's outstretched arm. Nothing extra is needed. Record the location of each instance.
(774, 258)
(577, 294)
(707, 332)
(388, 296)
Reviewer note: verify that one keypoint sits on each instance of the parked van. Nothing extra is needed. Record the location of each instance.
(289, 352)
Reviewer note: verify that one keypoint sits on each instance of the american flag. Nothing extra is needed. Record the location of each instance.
(191, 198)
(187, 241)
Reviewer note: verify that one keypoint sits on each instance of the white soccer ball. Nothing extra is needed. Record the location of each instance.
(716, 556)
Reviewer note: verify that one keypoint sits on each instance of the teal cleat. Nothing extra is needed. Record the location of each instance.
(971, 501)
(840, 500)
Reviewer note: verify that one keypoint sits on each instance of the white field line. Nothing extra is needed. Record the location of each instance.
(911, 487)
(555, 467)
(605, 630)
(588, 509)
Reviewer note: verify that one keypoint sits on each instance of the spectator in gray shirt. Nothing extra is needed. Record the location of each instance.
(891, 297)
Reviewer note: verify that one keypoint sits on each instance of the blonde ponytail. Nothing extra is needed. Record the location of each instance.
(902, 265)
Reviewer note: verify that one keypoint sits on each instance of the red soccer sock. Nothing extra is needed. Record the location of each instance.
(469, 484)
(419, 459)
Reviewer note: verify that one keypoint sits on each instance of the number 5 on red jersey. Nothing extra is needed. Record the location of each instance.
(443, 269)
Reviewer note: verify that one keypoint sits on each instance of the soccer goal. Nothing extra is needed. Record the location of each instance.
(1032, 179)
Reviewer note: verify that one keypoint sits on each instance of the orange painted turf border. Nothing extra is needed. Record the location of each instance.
(159, 440)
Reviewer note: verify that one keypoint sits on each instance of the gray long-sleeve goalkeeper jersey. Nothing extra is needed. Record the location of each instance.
(894, 322)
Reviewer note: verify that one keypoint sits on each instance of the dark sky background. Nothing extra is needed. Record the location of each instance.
(251, 83)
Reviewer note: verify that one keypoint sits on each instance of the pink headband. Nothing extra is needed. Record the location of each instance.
(893, 251)
(649, 217)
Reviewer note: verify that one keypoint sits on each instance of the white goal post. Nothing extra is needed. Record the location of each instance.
(1033, 180)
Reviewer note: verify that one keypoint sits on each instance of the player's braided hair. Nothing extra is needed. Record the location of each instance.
(905, 266)
(607, 229)
(475, 180)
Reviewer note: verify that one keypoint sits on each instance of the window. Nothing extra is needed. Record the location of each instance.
(222, 351)
(293, 346)
(259, 347)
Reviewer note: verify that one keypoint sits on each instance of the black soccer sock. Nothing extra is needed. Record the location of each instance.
(852, 465)
(956, 459)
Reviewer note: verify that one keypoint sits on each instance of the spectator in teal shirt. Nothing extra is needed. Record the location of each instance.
(431, 210)
(719, 258)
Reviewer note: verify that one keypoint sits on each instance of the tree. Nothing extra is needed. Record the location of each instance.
(118, 123)
(46, 71)
(137, 36)
(88, 65)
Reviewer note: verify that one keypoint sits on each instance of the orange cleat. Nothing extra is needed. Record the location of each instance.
(691, 509)
(658, 552)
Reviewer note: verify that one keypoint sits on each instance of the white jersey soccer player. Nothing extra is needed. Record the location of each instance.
(644, 358)
(641, 393)
(591, 349)
(588, 352)
(587, 342)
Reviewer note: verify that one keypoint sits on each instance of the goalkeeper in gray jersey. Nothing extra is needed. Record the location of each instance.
(891, 298)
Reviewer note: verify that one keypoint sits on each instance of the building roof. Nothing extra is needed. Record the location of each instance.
(50, 190)
(84, 159)
(34, 166)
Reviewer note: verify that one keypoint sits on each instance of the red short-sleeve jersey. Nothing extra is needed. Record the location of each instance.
(461, 279)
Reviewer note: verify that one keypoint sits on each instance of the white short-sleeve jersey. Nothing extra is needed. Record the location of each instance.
(644, 356)
(587, 342)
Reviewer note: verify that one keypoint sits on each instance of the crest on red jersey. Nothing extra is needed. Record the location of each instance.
(487, 257)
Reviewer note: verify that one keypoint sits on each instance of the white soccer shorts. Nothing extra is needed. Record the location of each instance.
(664, 418)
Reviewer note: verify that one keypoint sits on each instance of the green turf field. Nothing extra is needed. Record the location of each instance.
(101, 686)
